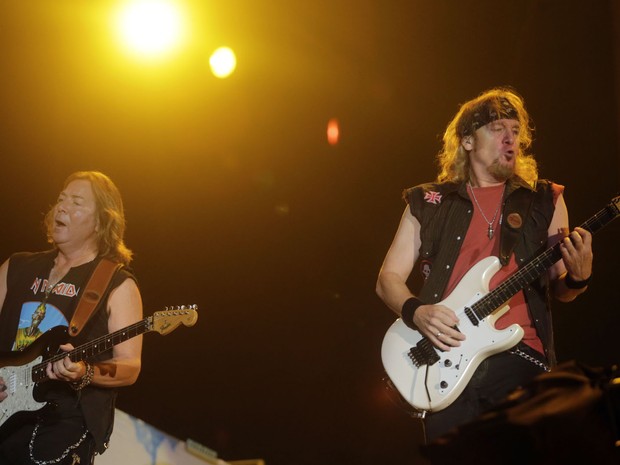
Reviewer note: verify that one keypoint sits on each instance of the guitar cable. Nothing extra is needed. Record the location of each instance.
(428, 394)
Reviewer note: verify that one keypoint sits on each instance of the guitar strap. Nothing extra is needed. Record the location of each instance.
(93, 292)
(518, 207)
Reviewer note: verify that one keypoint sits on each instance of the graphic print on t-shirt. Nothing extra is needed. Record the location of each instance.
(34, 320)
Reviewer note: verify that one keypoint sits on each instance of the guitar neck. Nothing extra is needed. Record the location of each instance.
(535, 268)
(95, 347)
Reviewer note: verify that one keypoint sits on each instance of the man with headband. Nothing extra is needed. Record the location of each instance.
(487, 201)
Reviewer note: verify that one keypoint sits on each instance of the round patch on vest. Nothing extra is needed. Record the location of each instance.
(514, 220)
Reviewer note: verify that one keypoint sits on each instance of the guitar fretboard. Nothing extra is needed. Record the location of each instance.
(534, 269)
(95, 347)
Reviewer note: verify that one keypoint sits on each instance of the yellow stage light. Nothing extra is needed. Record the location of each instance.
(151, 28)
(223, 62)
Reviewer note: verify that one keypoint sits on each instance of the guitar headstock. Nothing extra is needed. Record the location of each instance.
(169, 319)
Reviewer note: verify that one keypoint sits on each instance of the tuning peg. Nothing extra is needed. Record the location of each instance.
(180, 307)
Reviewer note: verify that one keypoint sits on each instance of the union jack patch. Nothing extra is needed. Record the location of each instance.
(432, 197)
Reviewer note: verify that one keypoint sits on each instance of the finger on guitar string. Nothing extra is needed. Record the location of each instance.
(580, 237)
(49, 371)
(56, 371)
(450, 340)
(577, 256)
(77, 370)
(449, 334)
(59, 370)
(66, 369)
(439, 343)
(69, 370)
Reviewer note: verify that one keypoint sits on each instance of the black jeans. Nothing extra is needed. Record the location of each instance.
(494, 379)
(54, 437)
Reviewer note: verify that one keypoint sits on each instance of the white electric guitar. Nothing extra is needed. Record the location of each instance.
(22, 371)
(430, 379)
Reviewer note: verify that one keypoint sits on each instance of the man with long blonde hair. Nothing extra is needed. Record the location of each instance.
(487, 201)
(85, 226)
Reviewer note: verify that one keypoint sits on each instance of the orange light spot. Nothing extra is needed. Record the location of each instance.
(333, 131)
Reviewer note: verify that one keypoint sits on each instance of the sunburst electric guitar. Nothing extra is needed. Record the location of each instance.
(430, 379)
(21, 371)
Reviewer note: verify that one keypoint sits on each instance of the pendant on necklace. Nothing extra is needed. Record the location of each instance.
(490, 232)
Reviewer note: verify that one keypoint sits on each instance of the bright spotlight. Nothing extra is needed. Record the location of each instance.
(150, 27)
(223, 62)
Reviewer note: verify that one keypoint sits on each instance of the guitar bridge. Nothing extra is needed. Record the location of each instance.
(423, 353)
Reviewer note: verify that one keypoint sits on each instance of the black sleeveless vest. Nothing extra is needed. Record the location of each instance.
(444, 221)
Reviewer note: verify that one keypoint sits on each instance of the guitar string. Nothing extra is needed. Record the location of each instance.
(27, 372)
(544, 256)
(516, 277)
(513, 284)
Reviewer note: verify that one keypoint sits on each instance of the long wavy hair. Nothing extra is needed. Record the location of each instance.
(110, 215)
(453, 159)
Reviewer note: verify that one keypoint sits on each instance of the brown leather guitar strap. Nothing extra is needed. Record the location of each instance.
(93, 292)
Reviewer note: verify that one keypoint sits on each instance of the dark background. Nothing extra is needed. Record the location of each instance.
(236, 202)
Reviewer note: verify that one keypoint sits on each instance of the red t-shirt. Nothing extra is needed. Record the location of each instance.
(477, 246)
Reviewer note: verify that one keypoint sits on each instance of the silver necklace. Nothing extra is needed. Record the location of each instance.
(490, 229)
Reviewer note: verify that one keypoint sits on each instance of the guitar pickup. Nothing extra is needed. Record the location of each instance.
(472, 317)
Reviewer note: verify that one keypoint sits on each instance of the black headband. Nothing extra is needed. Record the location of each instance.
(486, 113)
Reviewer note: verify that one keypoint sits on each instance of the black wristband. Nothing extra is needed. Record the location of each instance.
(408, 310)
(572, 284)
